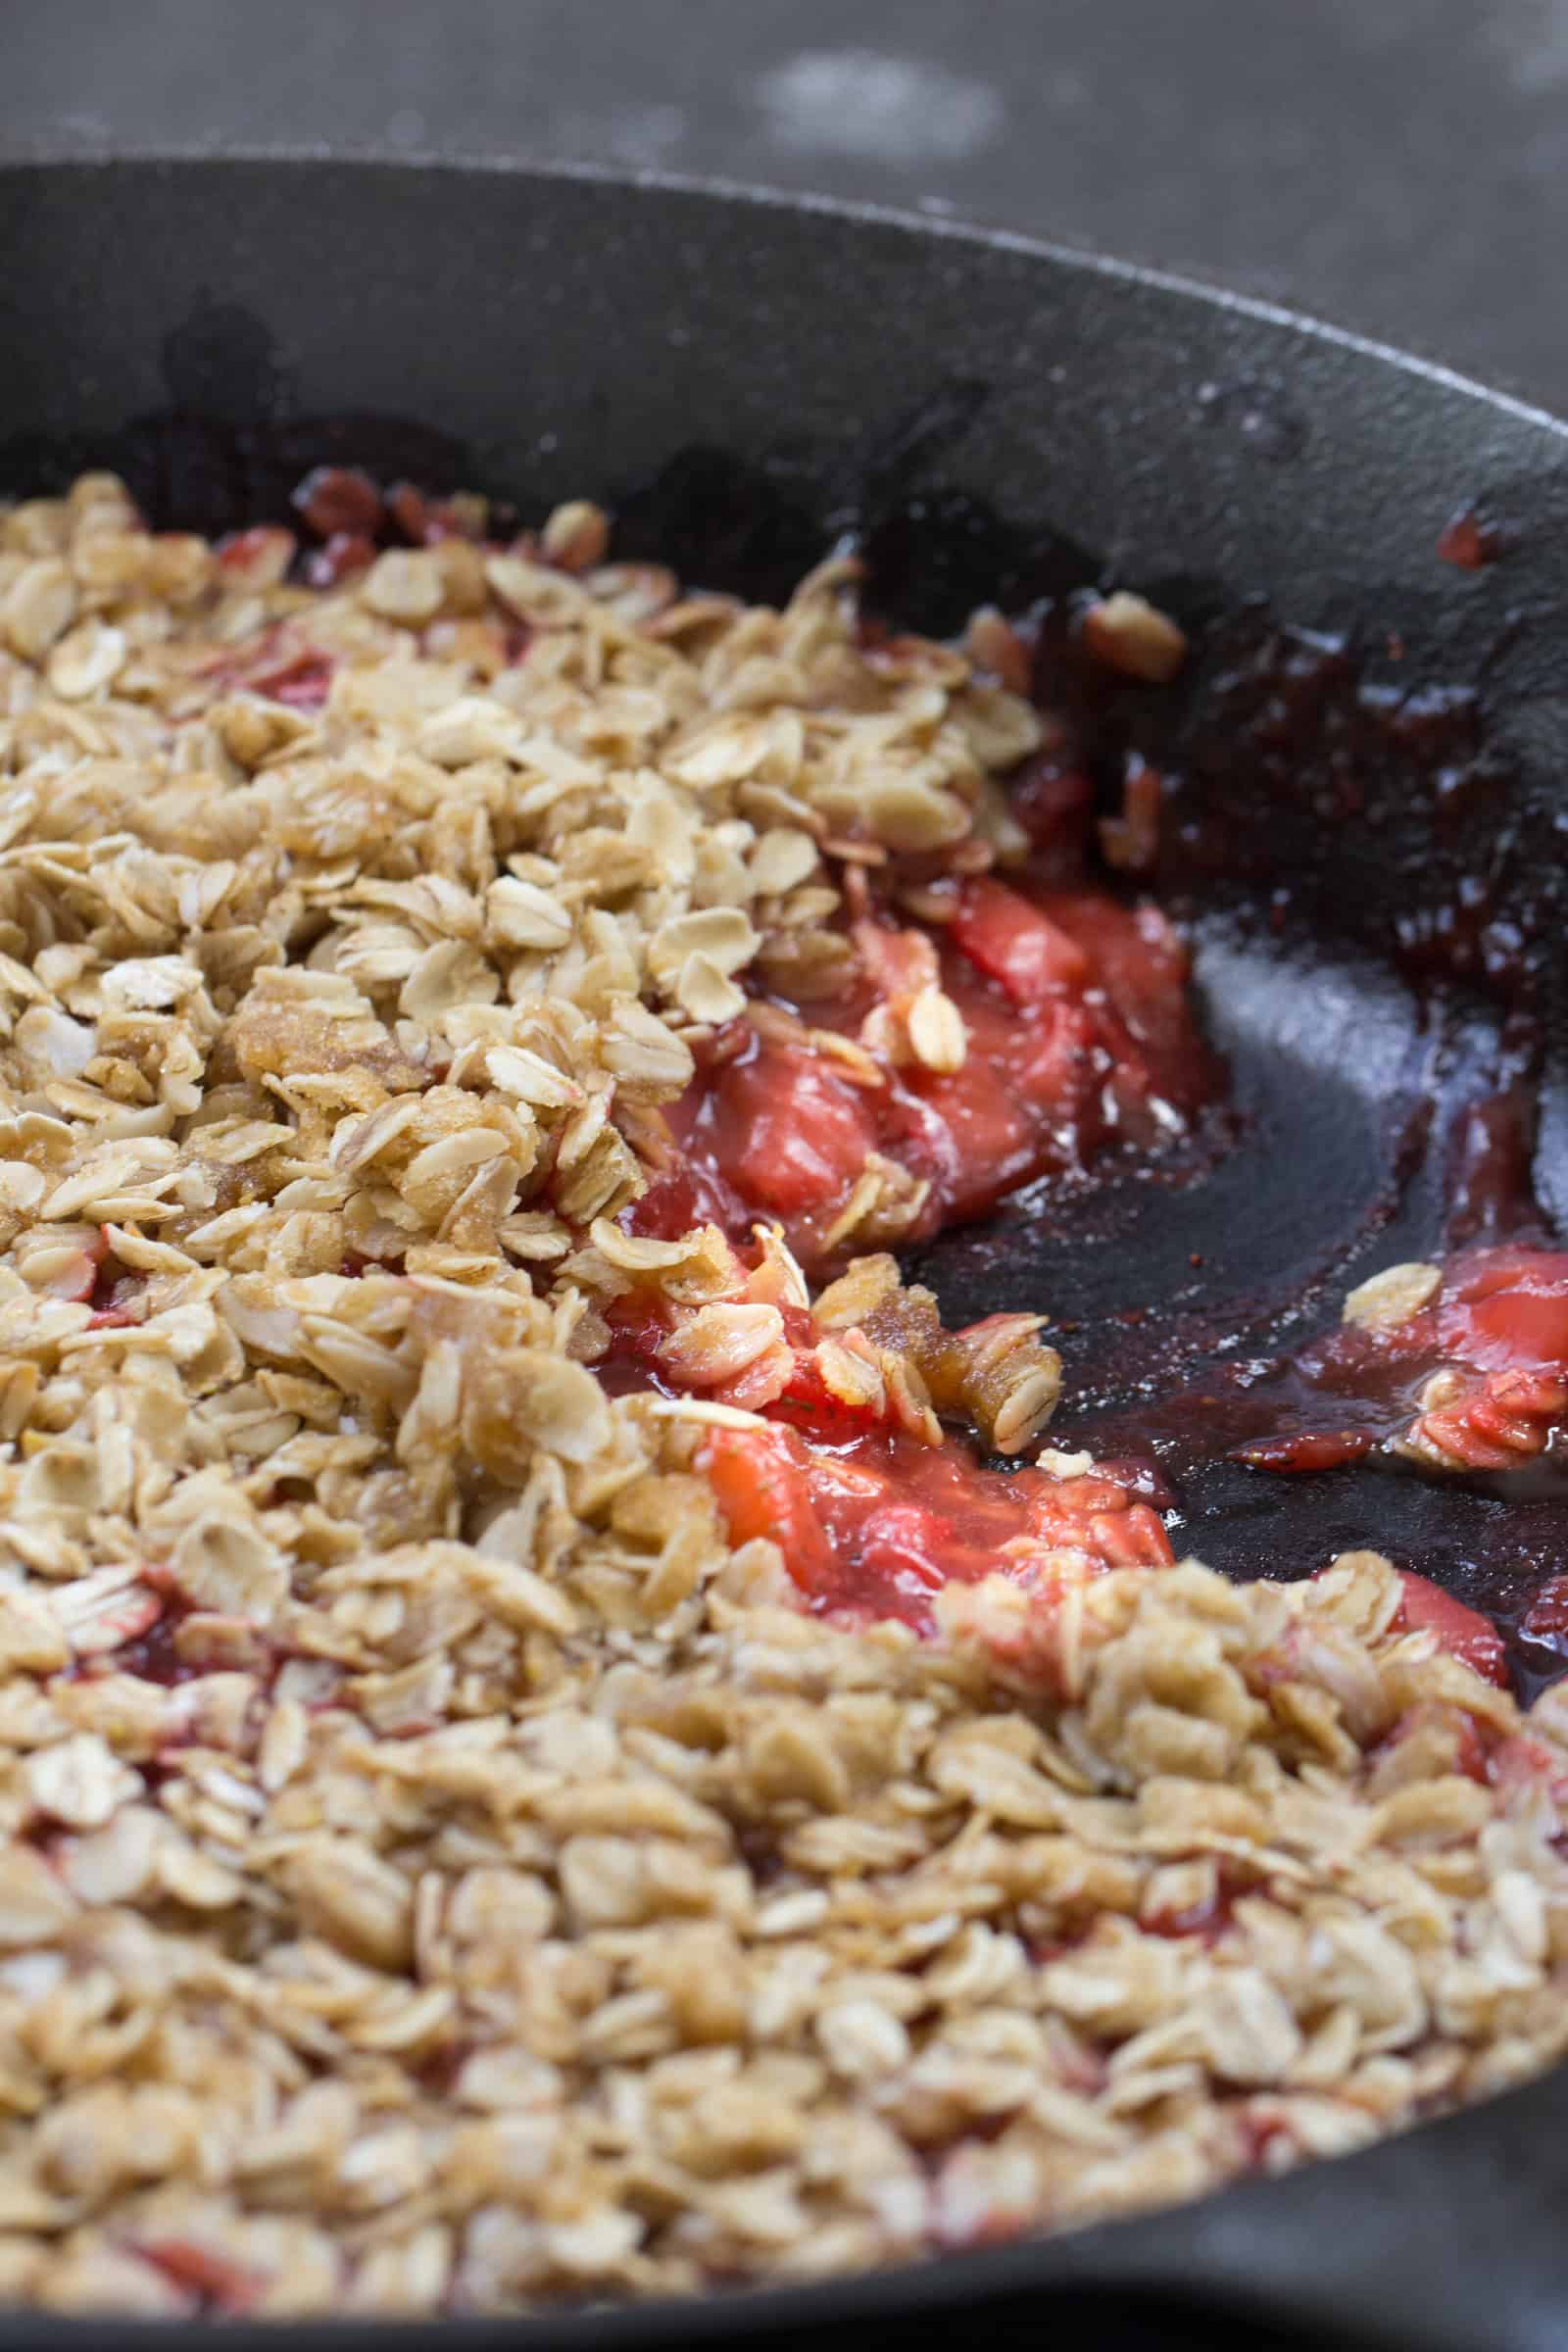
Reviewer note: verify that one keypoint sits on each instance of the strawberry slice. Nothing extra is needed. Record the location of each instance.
(991, 1141)
(1461, 1631)
(1509, 1309)
(1014, 944)
(902, 1546)
(759, 1479)
(1139, 960)
(788, 1133)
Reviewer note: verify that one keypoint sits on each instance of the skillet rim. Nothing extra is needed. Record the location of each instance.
(50, 155)
(1087, 2266)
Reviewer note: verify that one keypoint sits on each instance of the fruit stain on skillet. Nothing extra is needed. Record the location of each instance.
(1354, 769)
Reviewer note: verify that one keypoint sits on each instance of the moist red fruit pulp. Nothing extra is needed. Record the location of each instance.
(1078, 1038)
(1498, 1327)
(871, 1521)
(876, 1525)
(1461, 1631)
(302, 681)
(153, 1656)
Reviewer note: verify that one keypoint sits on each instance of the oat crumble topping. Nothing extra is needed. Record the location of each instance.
(443, 1869)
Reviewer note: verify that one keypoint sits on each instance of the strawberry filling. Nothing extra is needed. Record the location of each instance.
(874, 1507)
(876, 1526)
(1068, 1036)
(302, 681)
(220, 2285)
(1463, 1631)
(1077, 1038)
(1477, 1378)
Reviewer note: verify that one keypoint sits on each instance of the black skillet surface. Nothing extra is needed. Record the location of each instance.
(1364, 826)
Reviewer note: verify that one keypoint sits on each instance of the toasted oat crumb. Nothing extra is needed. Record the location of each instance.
(937, 1031)
(1385, 1300)
(1129, 634)
(440, 1872)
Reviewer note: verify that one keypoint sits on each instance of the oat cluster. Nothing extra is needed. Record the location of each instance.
(439, 1873)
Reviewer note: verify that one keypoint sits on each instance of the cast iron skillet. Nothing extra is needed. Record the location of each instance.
(1358, 825)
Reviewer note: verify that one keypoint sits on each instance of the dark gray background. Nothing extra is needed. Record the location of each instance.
(1399, 165)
